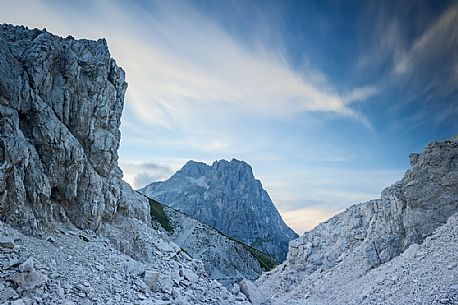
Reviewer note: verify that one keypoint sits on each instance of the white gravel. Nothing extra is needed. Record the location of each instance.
(70, 266)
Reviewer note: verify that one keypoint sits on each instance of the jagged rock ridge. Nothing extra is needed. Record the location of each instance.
(227, 197)
(330, 264)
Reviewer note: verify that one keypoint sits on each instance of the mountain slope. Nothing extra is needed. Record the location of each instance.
(335, 262)
(225, 259)
(226, 196)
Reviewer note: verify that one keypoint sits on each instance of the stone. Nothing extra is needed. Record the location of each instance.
(163, 302)
(99, 267)
(17, 302)
(133, 267)
(236, 289)
(50, 239)
(411, 251)
(141, 296)
(150, 278)
(7, 242)
(164, 246)
(190, 276)
(413, 157)
(27, 266)
(252, 292)
(167, 284)
(30, 280)
(7, 293)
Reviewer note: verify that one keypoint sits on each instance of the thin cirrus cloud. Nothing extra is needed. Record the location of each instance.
(179, 63)
(176, 59)
(139, 174)
(440, 37)
(429, 67)
(194, 63)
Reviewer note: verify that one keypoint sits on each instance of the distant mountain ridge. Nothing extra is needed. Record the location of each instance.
(226, 196)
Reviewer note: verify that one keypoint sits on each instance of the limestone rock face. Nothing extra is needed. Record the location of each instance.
(60, 108)
(371, 234)
(227, 197)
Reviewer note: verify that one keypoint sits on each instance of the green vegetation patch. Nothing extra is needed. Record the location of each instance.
(266, 261)
(157, 212)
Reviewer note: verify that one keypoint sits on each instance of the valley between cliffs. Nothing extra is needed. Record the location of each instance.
(73, 232)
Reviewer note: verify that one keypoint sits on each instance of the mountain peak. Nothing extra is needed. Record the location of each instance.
(226, 196)
(237, 168)
(194, 168)
(234, 167)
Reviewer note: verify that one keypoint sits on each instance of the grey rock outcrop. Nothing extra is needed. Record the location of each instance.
(60, 108)
(226, 196)
(368, 235)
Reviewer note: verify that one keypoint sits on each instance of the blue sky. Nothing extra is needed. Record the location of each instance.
(325, 99)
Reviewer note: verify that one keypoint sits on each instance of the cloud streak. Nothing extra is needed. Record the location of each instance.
(139, 174)
(441, 37)
(177, 62)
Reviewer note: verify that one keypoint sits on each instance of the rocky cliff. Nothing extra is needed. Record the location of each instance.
(333, 263)
(227, 197)
(89, 238)
(60, 108)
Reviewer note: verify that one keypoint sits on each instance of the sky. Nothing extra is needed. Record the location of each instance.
(324, 99)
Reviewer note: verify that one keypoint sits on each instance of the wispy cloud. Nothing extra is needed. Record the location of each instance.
(359, 94)
(179, 62)
(139, 174)
(439, 39)
(193, 64)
